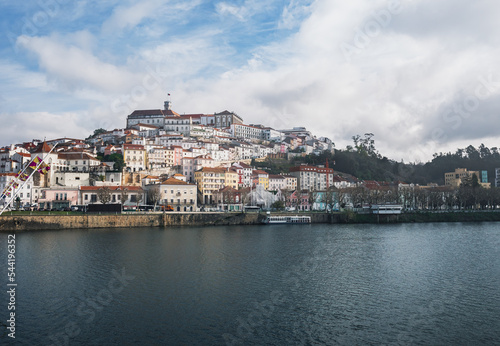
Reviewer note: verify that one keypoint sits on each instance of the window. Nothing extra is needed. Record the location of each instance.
(86, 197)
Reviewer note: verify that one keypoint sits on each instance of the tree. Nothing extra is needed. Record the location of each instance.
(286, 193)
(342, 197)
(139, 196)
(97, 132)
(104, 194)
(117, 159)
(279, 205)
(123, 195)
(154, 195)
(17, 203)
(312, 196)
(328, 198)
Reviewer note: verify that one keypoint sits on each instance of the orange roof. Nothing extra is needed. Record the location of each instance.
(42, 148)
(133, 146)
(173, 181)
(213, 169)
(258, 171)
(112, 188)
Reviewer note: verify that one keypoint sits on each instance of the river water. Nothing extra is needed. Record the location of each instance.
(421, 284)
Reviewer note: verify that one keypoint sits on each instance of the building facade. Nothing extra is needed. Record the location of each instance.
(181, 196)
(315, 178)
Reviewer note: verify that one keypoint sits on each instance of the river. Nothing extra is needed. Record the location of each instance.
(421, 284)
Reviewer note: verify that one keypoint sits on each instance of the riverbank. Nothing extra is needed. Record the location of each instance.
(26, 222)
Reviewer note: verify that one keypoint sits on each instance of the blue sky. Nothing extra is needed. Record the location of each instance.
(423, 76)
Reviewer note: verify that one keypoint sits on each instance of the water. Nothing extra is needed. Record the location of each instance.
(421, 284)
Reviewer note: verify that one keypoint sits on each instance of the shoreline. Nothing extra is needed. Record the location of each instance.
(23, 222)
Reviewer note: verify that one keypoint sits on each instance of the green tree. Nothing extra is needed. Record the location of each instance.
(279, 205)
(97, 132)
(117, 159)
(17, 203)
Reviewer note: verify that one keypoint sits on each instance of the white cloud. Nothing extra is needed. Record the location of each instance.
(72, 67)
(24, 126)
(407, 66)
(128, 16)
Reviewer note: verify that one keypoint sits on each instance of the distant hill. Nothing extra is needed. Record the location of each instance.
(374, 166)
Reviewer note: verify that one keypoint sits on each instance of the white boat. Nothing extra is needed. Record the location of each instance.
(386, 209)
(286, 219)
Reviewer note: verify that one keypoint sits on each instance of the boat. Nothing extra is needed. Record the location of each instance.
(286, 219)
(386, 209)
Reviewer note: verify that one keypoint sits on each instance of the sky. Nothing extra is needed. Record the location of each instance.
(423, 76)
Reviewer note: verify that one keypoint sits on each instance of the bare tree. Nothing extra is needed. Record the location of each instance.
(286, 193)
(312, 198)
(139, 197)
(342, 197)
(104, 194)
(154, 195)
(328, 198)
(124, 195)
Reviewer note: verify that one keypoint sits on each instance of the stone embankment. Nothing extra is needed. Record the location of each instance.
(26, 222)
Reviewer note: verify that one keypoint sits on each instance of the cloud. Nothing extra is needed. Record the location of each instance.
(72, 67)
(24, 126)
(393, 68)
(394, 86)
(294, 13)
(128, 16)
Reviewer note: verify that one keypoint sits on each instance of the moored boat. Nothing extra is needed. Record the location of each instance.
(295, 219)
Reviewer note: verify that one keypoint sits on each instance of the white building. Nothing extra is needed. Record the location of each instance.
(276, 182)
(70, 179)
(242, 131)
(134, 157)
(27, 193)
(181, 125)
(314, 178)
(154, 117)
(192, 164)
(179, 195)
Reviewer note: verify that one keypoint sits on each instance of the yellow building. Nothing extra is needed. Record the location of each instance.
(210, 180)
(260, 177)
(231, 178)
(455, 178)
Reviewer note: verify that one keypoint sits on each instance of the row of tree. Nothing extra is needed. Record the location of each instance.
(411, 198)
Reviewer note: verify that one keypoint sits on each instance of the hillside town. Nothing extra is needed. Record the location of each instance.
(162, 160)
